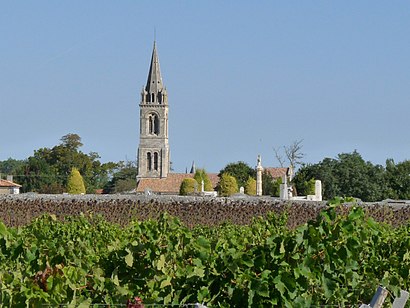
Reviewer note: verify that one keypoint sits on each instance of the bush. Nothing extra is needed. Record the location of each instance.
(187, 187)
(227, 185)
(250, 187)
(75, 184)
(201, 175)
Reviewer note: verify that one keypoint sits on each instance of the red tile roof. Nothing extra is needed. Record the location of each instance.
(170, 184)
(276, 173)
(5, 183)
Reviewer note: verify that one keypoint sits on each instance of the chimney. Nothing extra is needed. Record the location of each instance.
(10, 178)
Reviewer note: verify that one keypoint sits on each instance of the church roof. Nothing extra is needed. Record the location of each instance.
(170, 184)
(154, 81)
(276, 173)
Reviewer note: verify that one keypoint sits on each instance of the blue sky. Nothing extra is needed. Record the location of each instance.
(242, 77)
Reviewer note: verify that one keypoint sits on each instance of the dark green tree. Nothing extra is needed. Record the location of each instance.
(268, 184)
(347, 175)
(240, 170)
(124, 178)
(397, 177)
(47, 170)
(10, 166)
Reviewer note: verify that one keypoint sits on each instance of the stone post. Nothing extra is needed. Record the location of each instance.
(318, 190)
(259, 170)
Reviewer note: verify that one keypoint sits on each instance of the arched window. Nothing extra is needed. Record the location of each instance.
(159, 98)
(153, 124)
(149, 161)
(156, 125)
(150, 124)
(152, 97)
(156, 161)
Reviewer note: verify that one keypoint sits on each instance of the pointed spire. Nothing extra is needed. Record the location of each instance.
(154, 82)
(193, 168)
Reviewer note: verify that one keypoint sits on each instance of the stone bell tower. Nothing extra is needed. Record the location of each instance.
(153, 151)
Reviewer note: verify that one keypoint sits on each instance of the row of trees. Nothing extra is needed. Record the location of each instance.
(350, 175)
(48, 169)
(347, 175)
(233, 176)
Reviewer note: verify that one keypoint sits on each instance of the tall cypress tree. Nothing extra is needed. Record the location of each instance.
(75, 184)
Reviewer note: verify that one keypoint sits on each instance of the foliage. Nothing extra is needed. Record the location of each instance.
(47, 170)
(398, 179)
(227, 185)
(123, 178)
(75, 184)
(201, 175)
(10, 166)
(240, 171)
(270, 186)
(250, 187)
(337, 260)
(188, 186)
(307, 187)
(347, 175)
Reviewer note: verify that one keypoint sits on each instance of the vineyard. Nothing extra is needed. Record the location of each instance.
(338, 259)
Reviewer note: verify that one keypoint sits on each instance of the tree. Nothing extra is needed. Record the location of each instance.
(201, 175)
(10, 166)
(124, 178)
(227, 185)
(75, 183)
(397, 177)
(240, 171)
(188, 186)
(250, 187)
(47, 170)
(294, 153)
(347, 175)
(71, 141)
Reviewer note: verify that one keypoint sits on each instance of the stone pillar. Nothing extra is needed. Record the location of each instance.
(259, 170)
(284, 193)
(318, 190)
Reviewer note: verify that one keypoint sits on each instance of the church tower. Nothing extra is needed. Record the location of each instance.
(153, 150)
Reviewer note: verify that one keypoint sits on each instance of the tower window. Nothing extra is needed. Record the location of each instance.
(150, 124)
(152, 97)
(156, 125)
(156, 161)
(153, 124)
(149, 161)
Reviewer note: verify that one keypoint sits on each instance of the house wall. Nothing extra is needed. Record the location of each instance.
(4, 190)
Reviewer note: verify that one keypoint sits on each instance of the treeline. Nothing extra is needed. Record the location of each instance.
(350, 175)
(48, 169)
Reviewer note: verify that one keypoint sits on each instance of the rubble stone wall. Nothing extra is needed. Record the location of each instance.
(18, 210)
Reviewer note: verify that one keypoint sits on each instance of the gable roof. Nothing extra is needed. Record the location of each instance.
(170, 184)
(5, 183)
(276, 173)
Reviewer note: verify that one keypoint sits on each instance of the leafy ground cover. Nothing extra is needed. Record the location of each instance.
(338, 259)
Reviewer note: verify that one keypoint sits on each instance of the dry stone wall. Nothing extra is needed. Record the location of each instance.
(18, 210)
